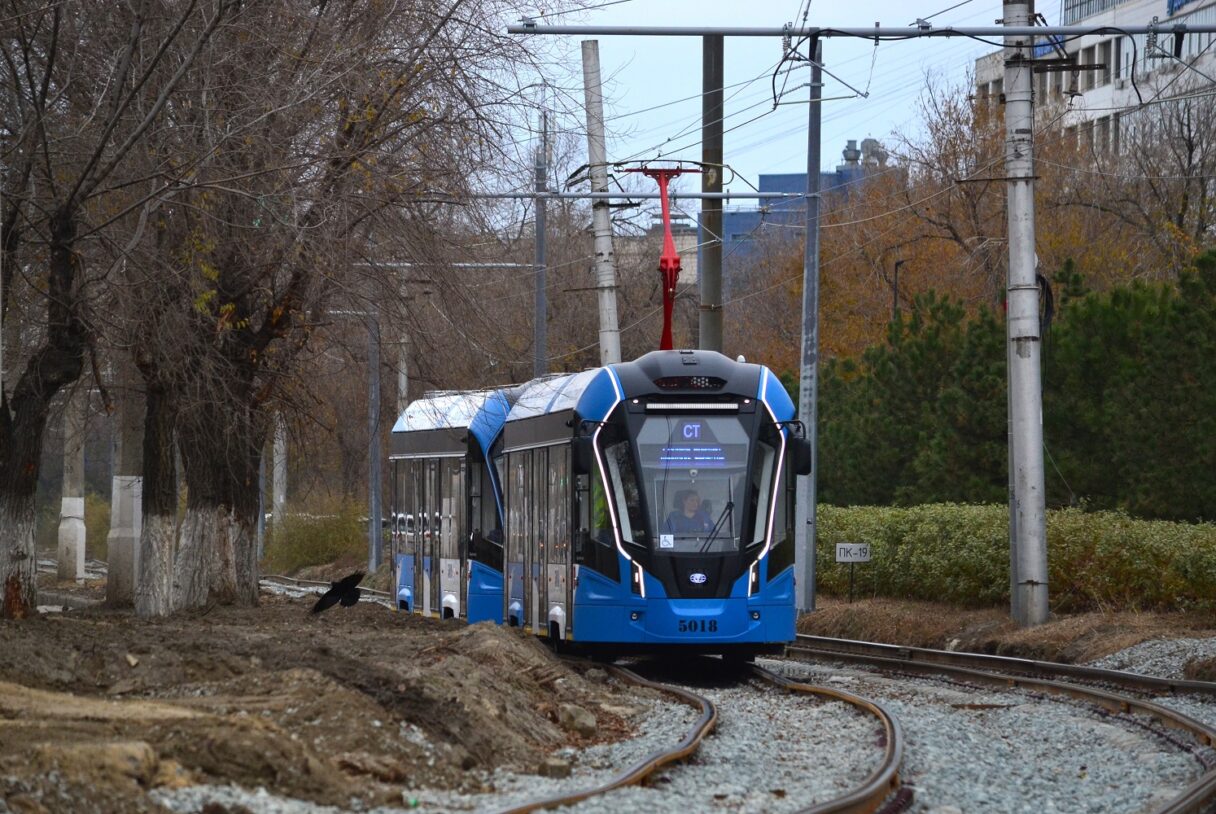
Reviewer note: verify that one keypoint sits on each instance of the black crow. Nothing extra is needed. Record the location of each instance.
(344, 591)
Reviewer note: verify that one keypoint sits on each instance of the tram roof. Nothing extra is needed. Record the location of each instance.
(442, 411)
(552, 394)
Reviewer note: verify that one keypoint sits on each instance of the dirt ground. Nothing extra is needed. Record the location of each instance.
(353, 707)
(357, 706)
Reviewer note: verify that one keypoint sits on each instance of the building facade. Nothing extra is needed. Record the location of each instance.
(1123, 65)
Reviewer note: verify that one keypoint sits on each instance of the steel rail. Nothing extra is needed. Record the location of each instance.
(884, 779)
(1193, 799)
(1124, 680)
(648, 765)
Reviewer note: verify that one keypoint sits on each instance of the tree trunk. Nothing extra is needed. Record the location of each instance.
(17, 561)
(220, 452)
(192, 566)
(153, 591)
(154, 582)
(52, 366)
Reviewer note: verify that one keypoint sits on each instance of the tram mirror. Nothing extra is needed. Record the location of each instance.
(583, 455)
(801, 454)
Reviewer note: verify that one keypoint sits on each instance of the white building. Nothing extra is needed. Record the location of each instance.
(1099, 97)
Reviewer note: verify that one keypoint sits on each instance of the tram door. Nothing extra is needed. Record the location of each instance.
(451, 523)
(557, 559)
(536, 548)
(517, 535)
(425, 523)
(405, 544)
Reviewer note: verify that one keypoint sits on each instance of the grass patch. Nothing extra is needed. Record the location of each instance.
(960, 554)
(322, 532)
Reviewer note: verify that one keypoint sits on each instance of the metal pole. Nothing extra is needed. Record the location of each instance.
(540, 339)
(808, 384)
(608, 196)
(709, 266)
(601, 217)
(864, 33)
(1026, 397)
(374, 534)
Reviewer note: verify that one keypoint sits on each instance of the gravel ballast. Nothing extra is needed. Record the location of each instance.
(971, 749)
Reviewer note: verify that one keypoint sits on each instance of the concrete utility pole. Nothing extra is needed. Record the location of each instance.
(403, 372)
(71, 512)
(808, 380)
(709, 264)
(1027, 507)
(375, 536)
(278, 475)
(126, 499)
(601, 216)
(540, 327)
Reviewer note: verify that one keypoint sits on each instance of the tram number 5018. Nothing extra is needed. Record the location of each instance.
(698, 626)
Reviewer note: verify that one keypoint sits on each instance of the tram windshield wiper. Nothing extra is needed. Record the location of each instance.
(728, 509)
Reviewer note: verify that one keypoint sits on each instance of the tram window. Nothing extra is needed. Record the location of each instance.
(559, 502)
(761, 480)
(406, 506)
(781, 555)
(628, 494)
(595, 526)
(450, 495)
(695, 471)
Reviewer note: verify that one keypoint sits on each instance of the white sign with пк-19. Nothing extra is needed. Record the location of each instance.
(852, 552)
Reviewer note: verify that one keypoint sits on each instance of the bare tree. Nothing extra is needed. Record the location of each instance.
(327, 136)
(72, 122)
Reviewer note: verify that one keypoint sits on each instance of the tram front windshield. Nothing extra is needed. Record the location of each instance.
(694, 473)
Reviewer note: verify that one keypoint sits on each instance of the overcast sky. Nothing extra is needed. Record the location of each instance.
(657, 72)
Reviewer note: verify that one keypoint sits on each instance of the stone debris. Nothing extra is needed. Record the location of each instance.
(574, 718)
(554, 767)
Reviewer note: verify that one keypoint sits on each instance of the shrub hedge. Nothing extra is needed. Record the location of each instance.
(960, 553)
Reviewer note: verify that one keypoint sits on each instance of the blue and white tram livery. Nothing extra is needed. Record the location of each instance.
(645, 506)
(649, 505)
(446, 506)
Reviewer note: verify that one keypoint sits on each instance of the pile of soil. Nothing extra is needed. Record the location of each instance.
(1073, 639)
(353, 707)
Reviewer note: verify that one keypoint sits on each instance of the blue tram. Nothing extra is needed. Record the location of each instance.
(644, 505)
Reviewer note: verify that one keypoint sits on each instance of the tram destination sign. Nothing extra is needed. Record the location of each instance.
(852, 552)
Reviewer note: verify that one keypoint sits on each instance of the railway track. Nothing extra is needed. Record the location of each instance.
(1089, 685)
(879, 784)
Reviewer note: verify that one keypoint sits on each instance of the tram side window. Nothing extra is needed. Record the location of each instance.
(597, 546)
(781, 555)
(760, 482)
(449, 504)
(629, 496)
(486, 536)
(405, 506)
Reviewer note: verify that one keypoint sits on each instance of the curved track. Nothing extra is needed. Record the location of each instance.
(867, 797)
(884, 779)
(1038, 676)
